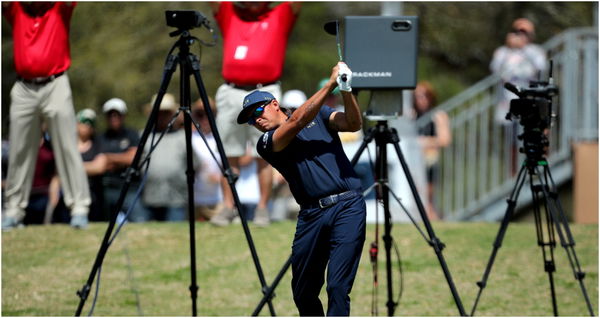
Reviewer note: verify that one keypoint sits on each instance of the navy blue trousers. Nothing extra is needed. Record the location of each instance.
(332, 237)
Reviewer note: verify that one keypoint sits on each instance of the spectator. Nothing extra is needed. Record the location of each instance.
(94, 161)
(208, 197)
(518, 61)
(42, 90)
(432, 137)
(254, 44)
(44, 194)
(293, 99)
(119, 144)
(165, 192)
(247, 186)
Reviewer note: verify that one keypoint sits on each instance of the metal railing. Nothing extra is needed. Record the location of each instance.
(476, 172)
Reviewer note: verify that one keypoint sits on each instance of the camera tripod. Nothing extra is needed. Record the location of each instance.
(189, 66)
(383, 135)
(548, 221)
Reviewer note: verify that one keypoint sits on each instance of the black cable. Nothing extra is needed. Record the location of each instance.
(136, 198)
(400, 273)
(134, 289)
(97, 290)
(146, 164)
(373, 253)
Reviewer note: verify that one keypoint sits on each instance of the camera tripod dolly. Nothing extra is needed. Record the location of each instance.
(384, 135)
(534, 109)
(189, 66)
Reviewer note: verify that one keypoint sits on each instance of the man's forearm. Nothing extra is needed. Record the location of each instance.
(123, 159)
(353, 116)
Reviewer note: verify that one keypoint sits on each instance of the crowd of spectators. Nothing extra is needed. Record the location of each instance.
(43, 163)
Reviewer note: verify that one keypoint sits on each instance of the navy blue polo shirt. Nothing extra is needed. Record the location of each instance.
(314, 163)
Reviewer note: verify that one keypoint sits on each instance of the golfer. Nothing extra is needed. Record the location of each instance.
(305, 148)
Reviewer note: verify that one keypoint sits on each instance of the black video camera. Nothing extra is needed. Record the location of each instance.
(185, 19)
(534, 105)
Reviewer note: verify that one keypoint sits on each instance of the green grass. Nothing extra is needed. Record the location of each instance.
(44, 266)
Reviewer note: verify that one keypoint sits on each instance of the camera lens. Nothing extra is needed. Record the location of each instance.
(401, 25)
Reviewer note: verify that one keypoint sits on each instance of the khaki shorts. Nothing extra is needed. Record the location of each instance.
(236, 137)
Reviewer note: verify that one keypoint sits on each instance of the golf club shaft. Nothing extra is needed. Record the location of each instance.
(339, 46)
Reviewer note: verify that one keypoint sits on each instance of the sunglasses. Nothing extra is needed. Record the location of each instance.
(257, 112)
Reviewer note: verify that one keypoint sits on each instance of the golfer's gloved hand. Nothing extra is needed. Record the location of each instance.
(344, 72)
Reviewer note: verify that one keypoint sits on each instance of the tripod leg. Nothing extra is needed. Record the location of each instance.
(561, 223)
(169, 69)
(512, 202)
(366, 140)
(548, 245)
(271, 289)
(433, 240)
(381, 177)
(185, 101)
(229, 175)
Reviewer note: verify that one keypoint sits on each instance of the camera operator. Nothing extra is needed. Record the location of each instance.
(306, 149)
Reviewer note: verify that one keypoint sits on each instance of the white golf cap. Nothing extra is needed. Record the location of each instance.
(293, 99)
(115, 104)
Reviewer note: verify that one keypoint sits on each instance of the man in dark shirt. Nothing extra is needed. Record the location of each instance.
(305, 148)
(119, 144)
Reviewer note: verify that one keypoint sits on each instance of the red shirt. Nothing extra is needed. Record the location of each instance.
(40, 43)
(254, 51)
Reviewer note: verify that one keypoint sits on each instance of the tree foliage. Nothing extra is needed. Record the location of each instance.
(119, 48)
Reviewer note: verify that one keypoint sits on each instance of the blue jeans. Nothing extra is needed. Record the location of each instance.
(36, 209)
(335, 236)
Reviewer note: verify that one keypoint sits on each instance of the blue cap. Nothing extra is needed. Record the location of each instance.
(251, 102)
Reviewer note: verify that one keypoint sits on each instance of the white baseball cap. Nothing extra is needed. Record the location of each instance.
(115, 104)
(293, 99)
(167, 102)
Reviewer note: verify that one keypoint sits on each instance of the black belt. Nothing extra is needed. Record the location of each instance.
(40, 80)
(330, 200)
(250, 87)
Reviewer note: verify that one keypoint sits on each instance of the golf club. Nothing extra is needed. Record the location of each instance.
(332, 27)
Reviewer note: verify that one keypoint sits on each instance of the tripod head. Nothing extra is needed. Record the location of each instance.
(533, 110)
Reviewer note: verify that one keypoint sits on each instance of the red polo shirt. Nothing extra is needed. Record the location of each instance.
(41, 43)
(254, 51)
